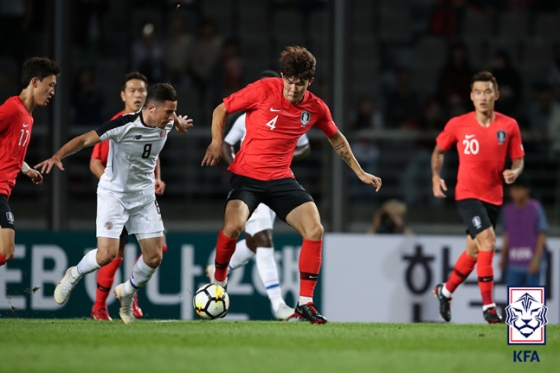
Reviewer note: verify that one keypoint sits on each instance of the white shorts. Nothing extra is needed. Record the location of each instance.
(262, 219)
(141, 218)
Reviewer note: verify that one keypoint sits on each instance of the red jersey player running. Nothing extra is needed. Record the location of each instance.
(484, 139)
(38, 79)
(134, 89)
(279, 111)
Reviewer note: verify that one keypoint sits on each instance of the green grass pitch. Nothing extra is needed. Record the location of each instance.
(31, 345)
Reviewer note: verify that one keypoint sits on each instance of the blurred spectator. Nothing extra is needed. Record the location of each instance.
(365, 117)
(390, 219)
(554, 76)
(232, 68)
(15, 18)
(85, 22)
(539, 111)
(177, 49)
(415, 180)
(454, 79)
(509, 83)
(206, 52)
(87, 100)
(147, 54)
(402, 104)
(445, 16)
(553, 130)
(524, 237)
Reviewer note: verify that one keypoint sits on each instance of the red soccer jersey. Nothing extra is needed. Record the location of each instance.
(273, 128)
(482, 154)
(101, 150)
(15, 131)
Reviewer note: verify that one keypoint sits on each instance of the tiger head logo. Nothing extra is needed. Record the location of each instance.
(526, 315)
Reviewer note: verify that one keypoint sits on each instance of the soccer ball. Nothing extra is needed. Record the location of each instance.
(211, 302)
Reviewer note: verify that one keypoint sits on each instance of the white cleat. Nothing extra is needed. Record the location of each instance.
(125, 311)
(284, 313)
(65, 286)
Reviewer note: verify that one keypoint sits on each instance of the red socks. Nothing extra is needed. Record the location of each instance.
(105, 278)
(2, 260)
(485, 272)
(309, 266)
(225, 247)
(462, 270)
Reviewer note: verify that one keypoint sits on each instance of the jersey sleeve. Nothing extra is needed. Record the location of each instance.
(237, 131)
(302, 141)
(96, 153)
(447, 137)
(326, 123)
(114, 129)
(516, 145)
(246, 98)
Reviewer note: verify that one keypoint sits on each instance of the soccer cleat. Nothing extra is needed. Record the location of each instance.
(309, 312)
(284, 313)
(444, 303)
(100, 314)
(65, 286)
(125, 312)
(492, 316)
(136, 310)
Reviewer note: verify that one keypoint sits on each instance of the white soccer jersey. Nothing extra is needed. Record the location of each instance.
(133, 153)
(238, 131)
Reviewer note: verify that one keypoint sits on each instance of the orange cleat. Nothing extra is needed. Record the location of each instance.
(136, 310)
(100, 314)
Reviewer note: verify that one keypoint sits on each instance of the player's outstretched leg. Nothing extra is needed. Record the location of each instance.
(225, 247)
(141, 274)
(87, 265)
(309, 266)
(105, 279)
(463, 268)
(269, 276)
(485, 272)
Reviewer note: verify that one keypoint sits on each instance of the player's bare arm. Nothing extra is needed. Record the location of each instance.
(342, 148)
(302, 152)
(182, 123)
(438, 184)
(96, 167)
(513, 173)
(214, 151)
(160, 184)
(73, 146)
(34, 175)
(228, 152)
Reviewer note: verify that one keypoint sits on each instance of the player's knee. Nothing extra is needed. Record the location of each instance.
(489, 244)
(153, 260)
(9, 255)
(314, 232)
(232, 230)
(105, 257)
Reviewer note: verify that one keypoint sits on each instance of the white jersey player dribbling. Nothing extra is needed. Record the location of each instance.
(261, 221)
(126, 192)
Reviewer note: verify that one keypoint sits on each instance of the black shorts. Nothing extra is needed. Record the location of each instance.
(123, 239)
(478, 215)
(281, 195)
(6, 217)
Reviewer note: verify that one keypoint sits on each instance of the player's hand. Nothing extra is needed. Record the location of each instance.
(213, 154)
(371, 180)
(182, 124)
(46, 166)
(160, 187)
(509, 176)
(438, 187)
(35, 176)
(534, 267)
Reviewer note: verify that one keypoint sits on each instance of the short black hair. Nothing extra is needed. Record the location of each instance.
(131, 76)
(484, 76)
(38, 67)
(522, 181)
(161, 92)
(269, 74)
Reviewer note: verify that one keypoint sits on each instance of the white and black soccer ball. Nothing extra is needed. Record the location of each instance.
(211, 302)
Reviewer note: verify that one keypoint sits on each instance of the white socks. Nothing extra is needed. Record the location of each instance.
(87, 265)
(305, 300)
(241, 255)
(269, 275)
(141, 274)
(446, 293)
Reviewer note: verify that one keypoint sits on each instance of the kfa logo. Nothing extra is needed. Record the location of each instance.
(501, 135)
(305, 118)
(526, 315)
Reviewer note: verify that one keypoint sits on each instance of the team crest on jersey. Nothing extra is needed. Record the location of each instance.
(137, 137)
(10, 218)
(162, 134)
(501, 134)
(305, 118)
(108, 225)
